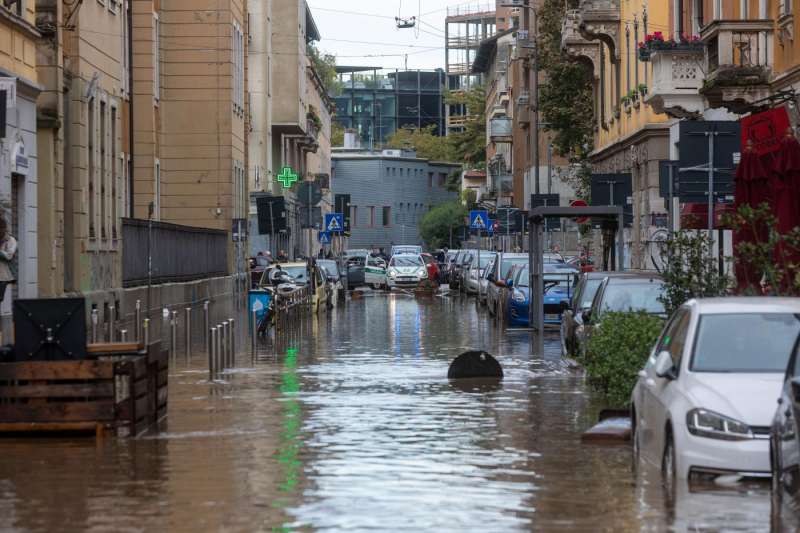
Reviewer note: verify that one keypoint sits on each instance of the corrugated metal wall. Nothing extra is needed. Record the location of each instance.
(405, 186)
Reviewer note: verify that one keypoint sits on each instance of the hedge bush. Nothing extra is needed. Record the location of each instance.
(618, 350)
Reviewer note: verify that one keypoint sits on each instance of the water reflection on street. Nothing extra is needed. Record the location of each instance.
(349, 424)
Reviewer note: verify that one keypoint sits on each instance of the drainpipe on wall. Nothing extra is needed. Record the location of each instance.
(131, 181)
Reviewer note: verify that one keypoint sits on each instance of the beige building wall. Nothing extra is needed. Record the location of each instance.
(94, 167)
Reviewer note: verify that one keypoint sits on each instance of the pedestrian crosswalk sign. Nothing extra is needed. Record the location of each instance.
(491, 227)
(479, 220)
(324, 237)
(334, 222)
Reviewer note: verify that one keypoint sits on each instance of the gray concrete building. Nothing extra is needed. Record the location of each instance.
(389, 192)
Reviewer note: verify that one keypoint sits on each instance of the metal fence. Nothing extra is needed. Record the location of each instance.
(179, 253)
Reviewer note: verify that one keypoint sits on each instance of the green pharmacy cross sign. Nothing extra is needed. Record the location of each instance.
(287, 177)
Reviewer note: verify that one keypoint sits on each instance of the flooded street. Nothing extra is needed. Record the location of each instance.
(349, 424)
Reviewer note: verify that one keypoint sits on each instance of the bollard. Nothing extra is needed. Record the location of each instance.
(94, 326)
(123, 335)
(226, 349)
(207, 327)
(253, 333)
(146, 332)
(219, 349)
(232, 341)
(188, 319)
(111, 317)
(212, 354)
(174, 335)
(138, 321)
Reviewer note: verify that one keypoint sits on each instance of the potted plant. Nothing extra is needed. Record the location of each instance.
(642, 89)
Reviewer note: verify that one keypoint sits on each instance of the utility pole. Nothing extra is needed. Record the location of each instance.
(534, 30)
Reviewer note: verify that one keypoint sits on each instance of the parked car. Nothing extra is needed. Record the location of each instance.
(784, 443)
(375, 272)
(406, 271)
(356, 264)
(581, 301)
(631, 292)
(558, 286)
(457, 273)
(473, 273)
(484, 281)
(454, 265)
(433, 267)
(497, 279)
(704, 402)
(334, 278)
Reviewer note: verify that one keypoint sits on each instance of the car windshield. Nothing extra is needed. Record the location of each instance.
(589, 290)
(745, 342)
(297, 272)
(505, 266)
(623, 297)
(330, 267)
(409, 261)
(564, 281)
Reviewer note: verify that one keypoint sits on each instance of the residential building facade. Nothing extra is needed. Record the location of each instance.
(390, 191)
(19, 203)
(291, 122)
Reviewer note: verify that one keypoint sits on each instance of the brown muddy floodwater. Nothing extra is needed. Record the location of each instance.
(349, 424)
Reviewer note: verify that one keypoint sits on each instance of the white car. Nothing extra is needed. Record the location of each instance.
(406, 271)
(705, 400)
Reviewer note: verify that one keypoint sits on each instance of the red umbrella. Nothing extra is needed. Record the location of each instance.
(786, 184)
(752, 188)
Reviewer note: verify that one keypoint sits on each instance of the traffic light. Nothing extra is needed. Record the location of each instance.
(271, 214)
(341, 204)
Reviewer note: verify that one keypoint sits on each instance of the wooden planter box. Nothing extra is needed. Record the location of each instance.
(124, 390)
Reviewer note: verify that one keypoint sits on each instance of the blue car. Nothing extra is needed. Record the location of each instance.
(558, 285)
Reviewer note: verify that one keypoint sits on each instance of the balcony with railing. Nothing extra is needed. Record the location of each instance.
(461, 69)
(739, 55)
(500, 129)
(678, 73)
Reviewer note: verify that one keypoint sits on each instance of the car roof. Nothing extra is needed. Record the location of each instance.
(292, 264)
(745, 304)
(633, 279)
(510, 255)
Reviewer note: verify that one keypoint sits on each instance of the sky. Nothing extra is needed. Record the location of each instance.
(354, 30)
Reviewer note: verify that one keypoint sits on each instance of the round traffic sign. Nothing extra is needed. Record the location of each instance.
(580, 203)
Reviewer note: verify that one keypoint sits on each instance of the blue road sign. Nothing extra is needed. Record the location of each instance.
(479, 219)
(334, 223)
(324, 237)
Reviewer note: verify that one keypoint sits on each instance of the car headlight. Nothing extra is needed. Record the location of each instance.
(704, 423)
(422, 272)
(392, 272)
(518, 297)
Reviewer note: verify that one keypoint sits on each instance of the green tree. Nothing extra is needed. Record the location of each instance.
(438, 224)
(469, 146)
(425, 141)
(325, 66)
(337, 134)
(690, 270)
(565, 98)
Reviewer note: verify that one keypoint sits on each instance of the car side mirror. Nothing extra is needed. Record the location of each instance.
(665, 368)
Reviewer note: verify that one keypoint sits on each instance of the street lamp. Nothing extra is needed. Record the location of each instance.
(523, 4)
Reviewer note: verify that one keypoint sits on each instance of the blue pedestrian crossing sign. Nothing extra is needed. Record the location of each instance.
(324, 237)
(490, 227)
(479, 220)
(334, 223)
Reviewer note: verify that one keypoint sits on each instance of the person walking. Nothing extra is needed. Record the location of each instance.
(8, 249)
(282, 257)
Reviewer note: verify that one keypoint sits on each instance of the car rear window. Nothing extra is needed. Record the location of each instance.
(624, 297)
(506, 264)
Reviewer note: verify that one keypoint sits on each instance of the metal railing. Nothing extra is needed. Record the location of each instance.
(179, 253)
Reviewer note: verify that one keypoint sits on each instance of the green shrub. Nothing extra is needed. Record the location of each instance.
(618, 350)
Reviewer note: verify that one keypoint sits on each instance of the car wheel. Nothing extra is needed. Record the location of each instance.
(777, 477)
(668, 465)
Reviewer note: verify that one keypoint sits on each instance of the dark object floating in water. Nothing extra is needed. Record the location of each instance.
(475, 364)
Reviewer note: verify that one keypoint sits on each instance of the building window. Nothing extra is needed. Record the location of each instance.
(115, 173)
(90, 125)
(104, 189)
(353, 216)
(717, 9)
(15, 6)
(125, 63)
(156, 57)
(784, 7)
(371, 221)
(442, 179)
(237, 47)
(387, 216)
(430, 180)
(157, 191)
(112, 6)
(698, 17)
